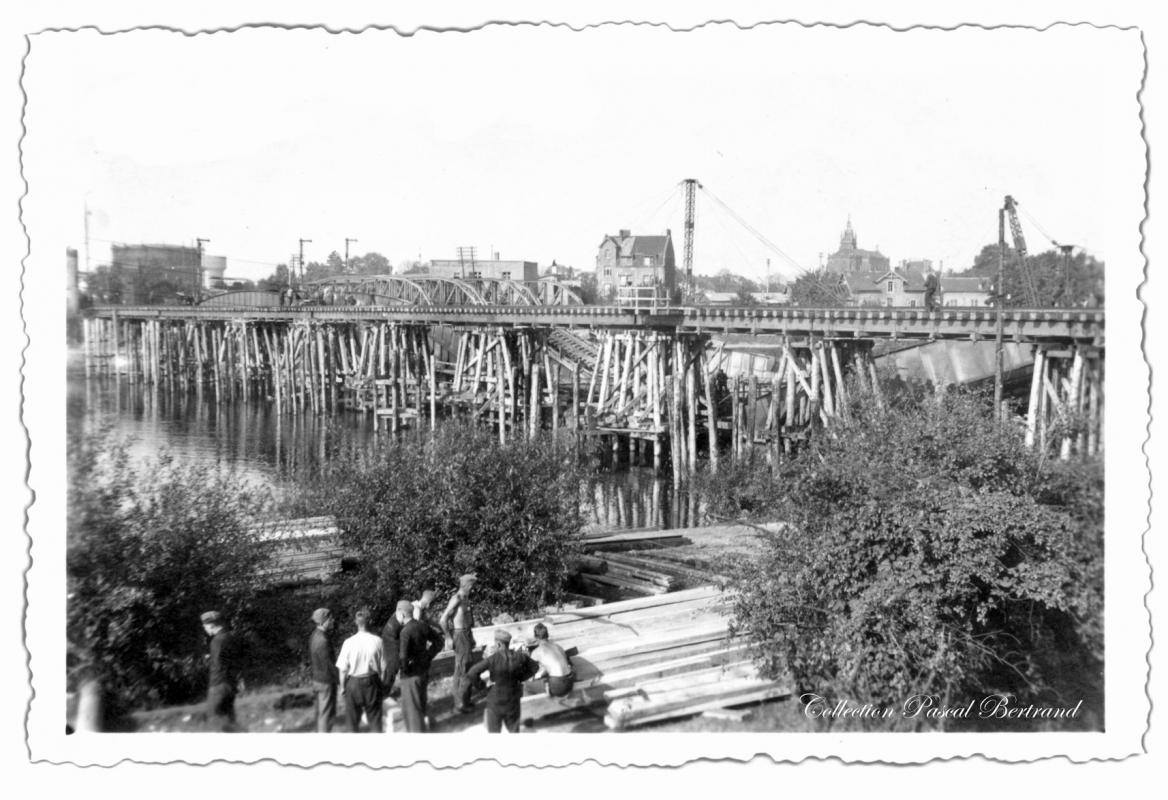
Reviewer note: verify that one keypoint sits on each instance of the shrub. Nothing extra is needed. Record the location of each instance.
(426, 511)
(928, 552)
(150, 547)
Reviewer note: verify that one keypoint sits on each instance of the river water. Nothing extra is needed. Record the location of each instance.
(269, 448)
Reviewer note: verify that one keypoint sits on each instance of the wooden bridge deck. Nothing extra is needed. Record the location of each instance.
(1031, 326)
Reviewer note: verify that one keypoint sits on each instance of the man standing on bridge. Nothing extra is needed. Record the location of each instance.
(932, 289)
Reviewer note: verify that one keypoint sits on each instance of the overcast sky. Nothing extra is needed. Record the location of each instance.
(536, 142)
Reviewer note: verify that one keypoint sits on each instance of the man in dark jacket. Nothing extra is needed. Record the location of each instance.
(324, 670)
(223, 672)
(420, 642)
(508, 670)
(391, 640)
(932, 289)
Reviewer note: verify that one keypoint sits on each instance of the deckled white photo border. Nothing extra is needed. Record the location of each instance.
(1126, 576)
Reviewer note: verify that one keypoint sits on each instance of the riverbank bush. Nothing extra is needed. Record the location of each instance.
(150, 546)
(928, 552)
(424, 511)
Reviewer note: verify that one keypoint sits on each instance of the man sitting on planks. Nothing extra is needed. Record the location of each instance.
(555, 667)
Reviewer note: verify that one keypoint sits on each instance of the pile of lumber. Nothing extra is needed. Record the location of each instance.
(647, 659)
(624, 572)
(632, 539)
(301, 551)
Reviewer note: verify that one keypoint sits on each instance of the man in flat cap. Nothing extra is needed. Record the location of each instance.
(508, 669)
(362, 667)
(223, 672)
(324, 671)
(420, 642)
(456, 622)
(391, 642)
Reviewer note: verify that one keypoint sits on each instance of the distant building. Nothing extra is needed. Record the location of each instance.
(628, 260)
(771, 298)
(150, 274)
(966, 291)
(904, 286)
(560, 272)
(712, 298)
(850, 259)
(491, 268)
(214, 272)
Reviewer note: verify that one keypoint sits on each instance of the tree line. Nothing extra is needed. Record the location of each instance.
(1059, 280)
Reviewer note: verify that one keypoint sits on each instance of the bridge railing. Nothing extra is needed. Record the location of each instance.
(641, 298)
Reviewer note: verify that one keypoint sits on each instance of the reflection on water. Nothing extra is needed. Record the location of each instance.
(270, 448)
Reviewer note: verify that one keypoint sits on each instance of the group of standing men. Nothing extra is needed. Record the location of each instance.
(370, 668)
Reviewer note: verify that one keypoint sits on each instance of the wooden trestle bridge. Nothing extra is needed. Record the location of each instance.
(529, 359)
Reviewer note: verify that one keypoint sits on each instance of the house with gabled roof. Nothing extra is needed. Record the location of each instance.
(904, 286)
(635, 260)
(966, 291)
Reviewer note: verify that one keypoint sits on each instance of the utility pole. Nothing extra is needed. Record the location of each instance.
(690, 185)
(87, 213)
(1000, 328)
(347, 254)
(302, 243)
(1066, 250)
(199, 269)
(768, 276)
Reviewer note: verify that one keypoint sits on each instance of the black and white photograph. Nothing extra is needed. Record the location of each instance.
(656, 389)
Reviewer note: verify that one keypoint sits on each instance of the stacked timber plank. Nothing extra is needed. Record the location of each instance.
(647, 659)
(301, 551)
(632, 539)
(628, 573)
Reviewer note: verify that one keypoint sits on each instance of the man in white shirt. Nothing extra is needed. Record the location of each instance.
(362, 671)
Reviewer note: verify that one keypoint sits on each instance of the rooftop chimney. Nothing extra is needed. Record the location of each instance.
(624, 234)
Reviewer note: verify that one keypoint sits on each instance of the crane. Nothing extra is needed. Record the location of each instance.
(687, 256)
(1010, 207)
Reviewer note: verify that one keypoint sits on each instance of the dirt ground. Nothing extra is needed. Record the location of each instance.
(291, 711)
(276, 709)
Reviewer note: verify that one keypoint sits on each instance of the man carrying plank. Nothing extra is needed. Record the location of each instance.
(554, 665)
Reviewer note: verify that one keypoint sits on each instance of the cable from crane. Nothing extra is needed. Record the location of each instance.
(1030, 218)
(767, 242)
(726, 230)
(672, 195)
